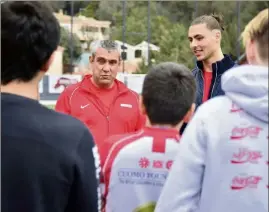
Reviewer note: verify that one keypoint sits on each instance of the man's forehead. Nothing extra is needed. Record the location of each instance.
(110, 54)
(198, 29)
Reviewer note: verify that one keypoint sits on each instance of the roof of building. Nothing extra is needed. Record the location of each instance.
(66, 19)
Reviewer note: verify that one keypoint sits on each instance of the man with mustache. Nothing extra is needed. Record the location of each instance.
(205, 35)
(101, 101)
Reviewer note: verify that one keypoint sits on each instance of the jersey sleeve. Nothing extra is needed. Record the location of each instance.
(86, 194)
(104, 150)
(185, 178)
(62, 104)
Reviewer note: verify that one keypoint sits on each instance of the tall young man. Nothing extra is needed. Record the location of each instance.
(222, 163)
(101, 101)
(205, 42)
(48, 160)
(135, 165)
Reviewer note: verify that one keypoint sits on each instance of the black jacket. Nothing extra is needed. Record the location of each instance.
(215, 90)
(47, 160)
(218, 69)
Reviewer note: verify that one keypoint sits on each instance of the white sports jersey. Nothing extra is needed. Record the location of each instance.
(135, 167)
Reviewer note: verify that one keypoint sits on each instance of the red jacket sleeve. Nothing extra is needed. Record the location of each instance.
(141, 118)
(104, 149)
(141, 121)
(62, 104)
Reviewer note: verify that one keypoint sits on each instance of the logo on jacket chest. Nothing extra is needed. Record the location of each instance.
(126, 105)
(84, 106)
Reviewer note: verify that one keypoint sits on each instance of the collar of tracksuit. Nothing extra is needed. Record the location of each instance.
(219, 66)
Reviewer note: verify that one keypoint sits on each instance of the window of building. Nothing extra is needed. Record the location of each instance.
(138, 53)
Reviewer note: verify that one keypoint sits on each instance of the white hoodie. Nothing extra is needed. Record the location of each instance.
(222, 163)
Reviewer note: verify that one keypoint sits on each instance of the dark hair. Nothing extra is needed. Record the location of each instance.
(29, 35)
(213, 21)
(168, 93)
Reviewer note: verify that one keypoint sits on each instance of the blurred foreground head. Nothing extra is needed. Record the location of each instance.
(255, 39)
(29, 35)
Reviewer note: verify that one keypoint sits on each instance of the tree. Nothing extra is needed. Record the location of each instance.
(174, 46)
(77, 6)
(108, 10)
(137, 24)
(65, 42)
(56, 5)
(169, 23)
(90, 10)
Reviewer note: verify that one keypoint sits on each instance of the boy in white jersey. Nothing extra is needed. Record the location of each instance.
(135, 166)
(222, 164)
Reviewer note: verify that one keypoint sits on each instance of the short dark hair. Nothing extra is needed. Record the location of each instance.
(213, 21)
(29, 35)
(168, 93)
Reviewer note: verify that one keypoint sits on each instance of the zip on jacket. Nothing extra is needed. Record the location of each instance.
(123, 116)
(218, 69)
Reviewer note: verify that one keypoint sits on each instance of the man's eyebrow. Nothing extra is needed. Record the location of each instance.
(195, 36)
(103, 58)
(198, 35)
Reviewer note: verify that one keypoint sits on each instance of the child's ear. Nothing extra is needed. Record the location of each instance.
(46, 66)
(189, 114)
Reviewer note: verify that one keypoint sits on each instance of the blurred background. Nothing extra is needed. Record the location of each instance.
(148, 32)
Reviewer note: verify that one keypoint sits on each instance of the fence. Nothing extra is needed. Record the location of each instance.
(52, 86)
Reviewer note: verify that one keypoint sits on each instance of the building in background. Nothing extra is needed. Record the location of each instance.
(89, 29)
(85, 28)
(144, 46)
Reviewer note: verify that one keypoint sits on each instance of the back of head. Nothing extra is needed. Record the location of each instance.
(213, 21)
(29, 35)
(257, 31)
(168, 93)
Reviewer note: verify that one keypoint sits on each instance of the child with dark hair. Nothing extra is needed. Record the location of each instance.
(48, 160)
(135, 165)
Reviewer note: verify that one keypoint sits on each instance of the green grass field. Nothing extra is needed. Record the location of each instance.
(50, 106)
